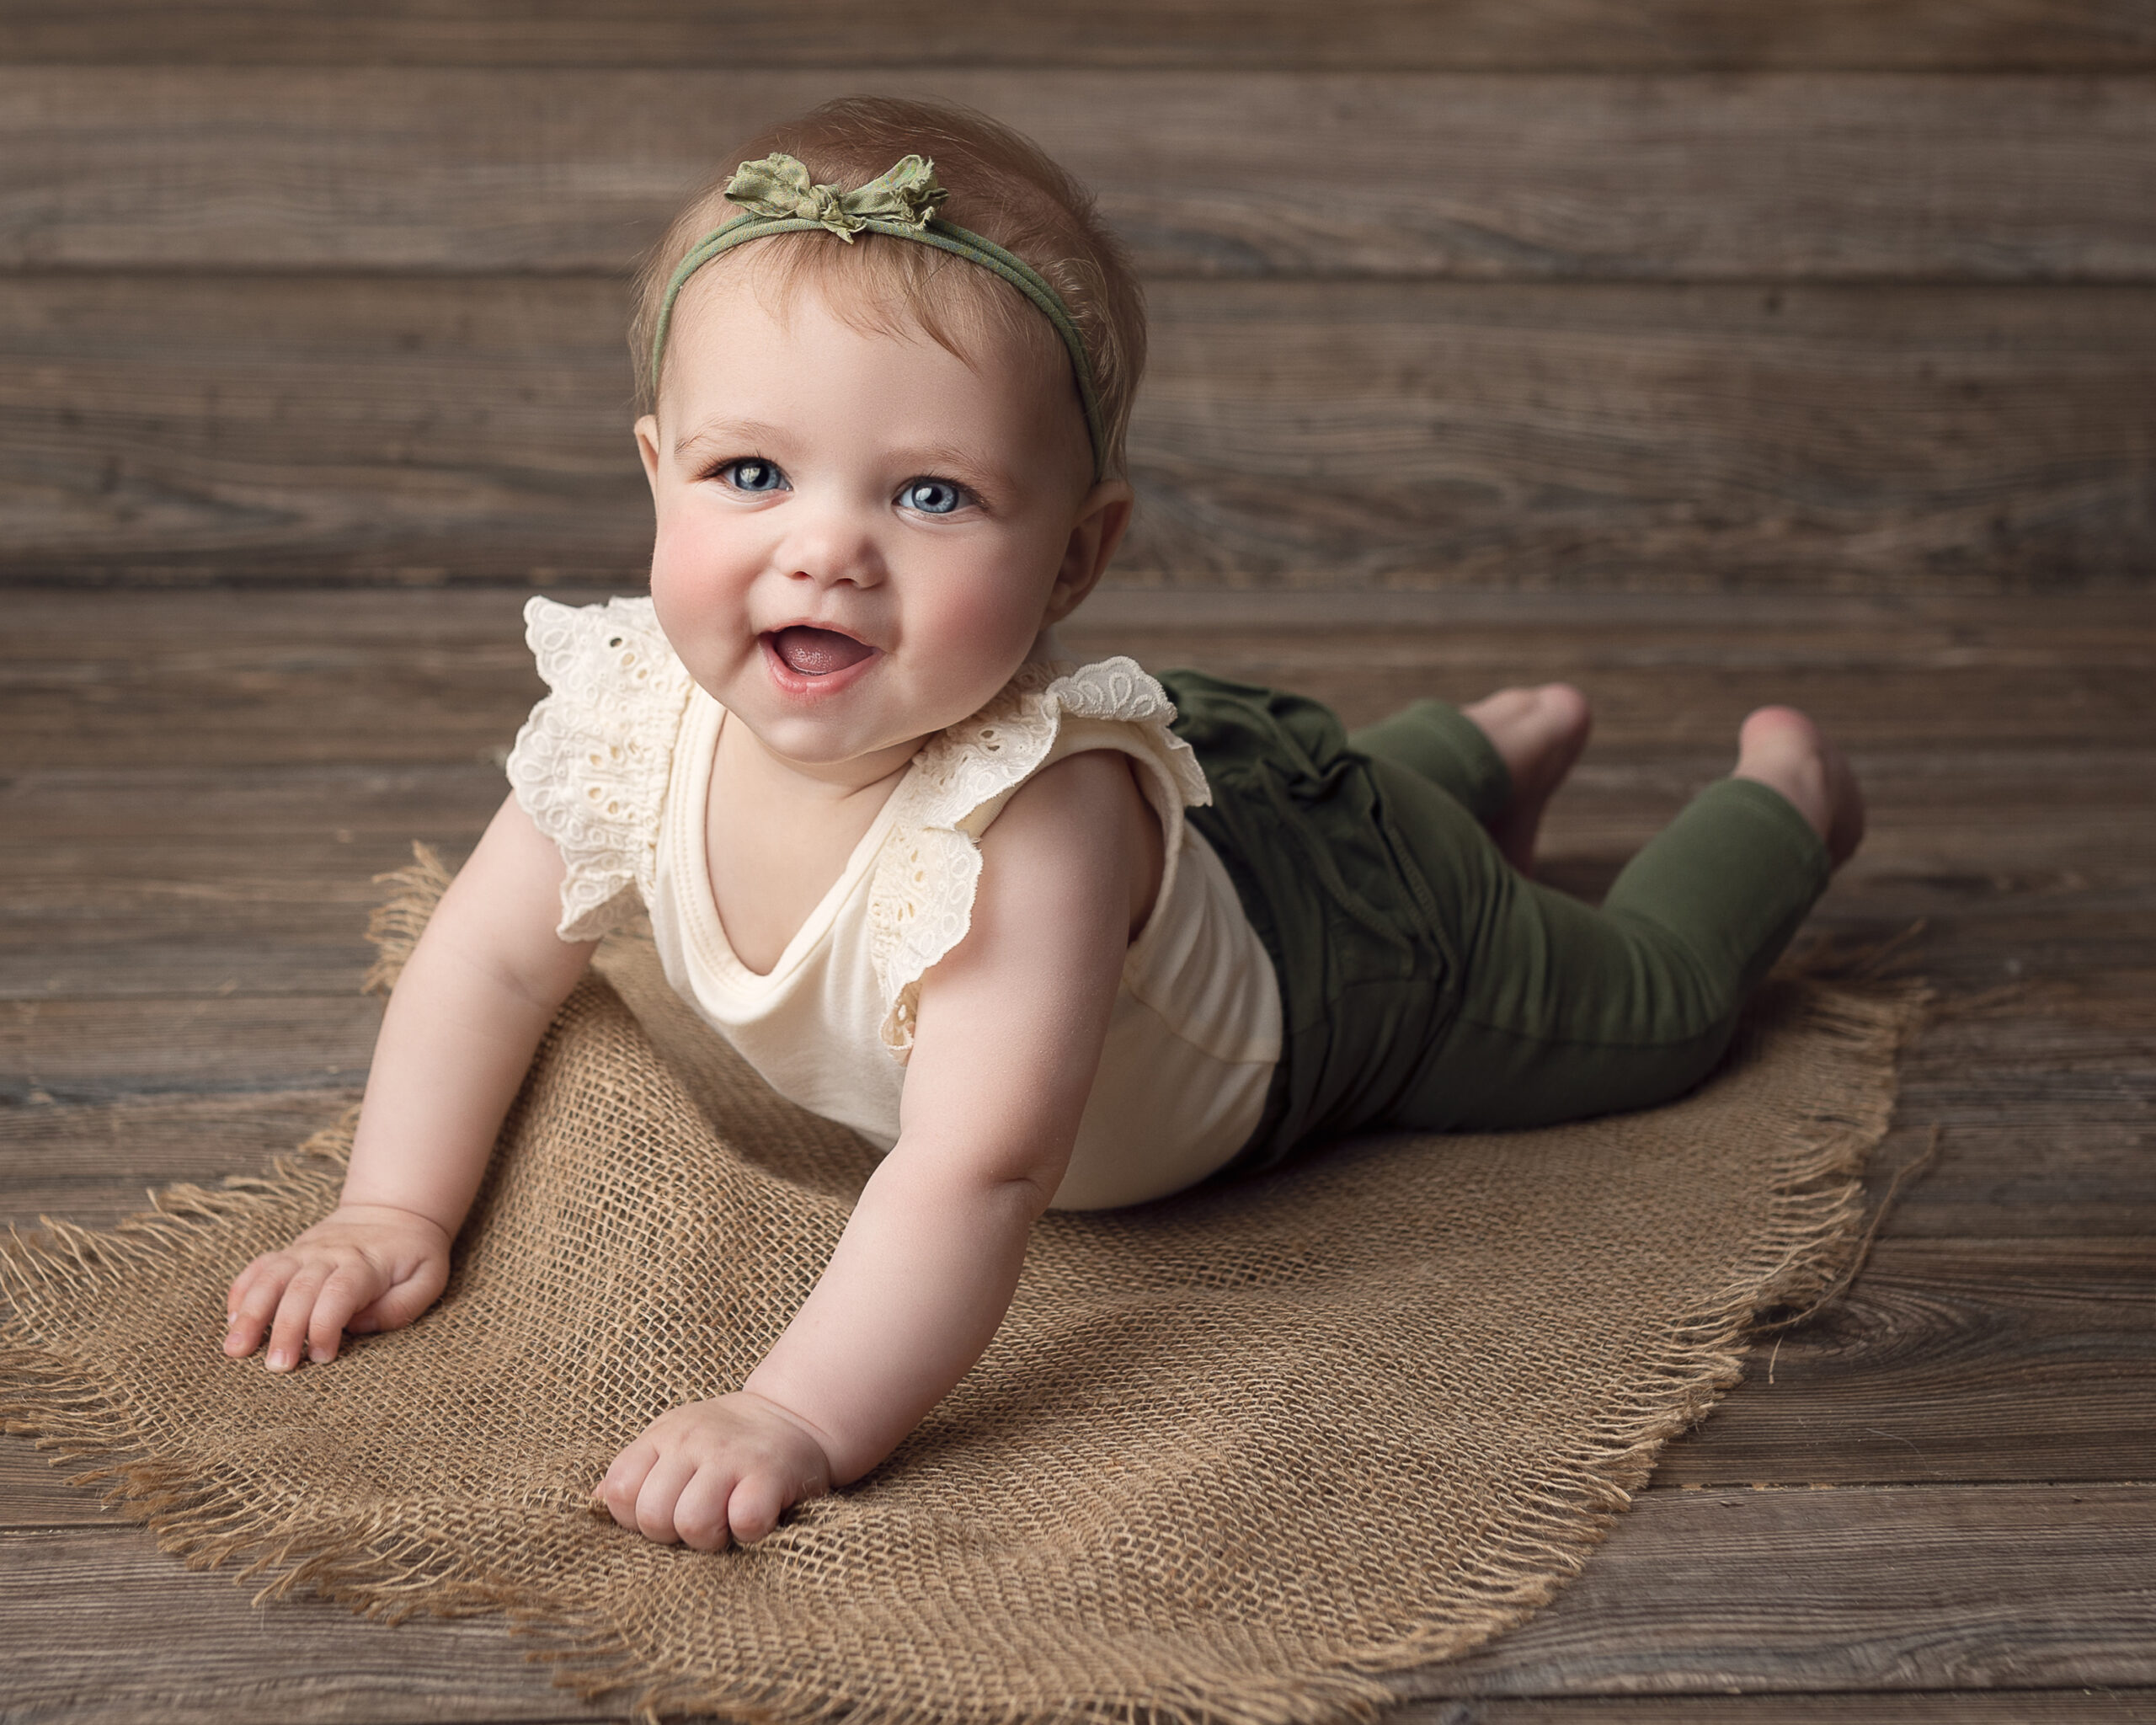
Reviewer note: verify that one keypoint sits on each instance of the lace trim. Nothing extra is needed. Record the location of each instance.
(591, 765)
(921, 894)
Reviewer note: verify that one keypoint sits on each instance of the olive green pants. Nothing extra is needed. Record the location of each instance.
(1424, 981)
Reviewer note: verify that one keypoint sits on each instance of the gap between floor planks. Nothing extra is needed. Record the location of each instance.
(1533, 35)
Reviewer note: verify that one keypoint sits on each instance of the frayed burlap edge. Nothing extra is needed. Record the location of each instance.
(1810, 1250)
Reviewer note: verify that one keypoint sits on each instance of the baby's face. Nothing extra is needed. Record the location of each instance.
(860, 536)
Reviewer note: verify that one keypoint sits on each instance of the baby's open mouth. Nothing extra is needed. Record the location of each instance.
(817, 653)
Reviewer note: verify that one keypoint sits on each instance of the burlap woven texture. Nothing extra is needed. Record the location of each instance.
(1230, 1457)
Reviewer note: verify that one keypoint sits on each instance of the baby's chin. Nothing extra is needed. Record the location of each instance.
(855, 724)
(853, 749)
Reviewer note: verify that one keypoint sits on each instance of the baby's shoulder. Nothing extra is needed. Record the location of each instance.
(922, 894)
(964, 776)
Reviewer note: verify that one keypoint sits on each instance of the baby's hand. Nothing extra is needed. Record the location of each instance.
(363, 1267)
(728, 1465)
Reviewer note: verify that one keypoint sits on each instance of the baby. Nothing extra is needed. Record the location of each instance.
(1046, 934)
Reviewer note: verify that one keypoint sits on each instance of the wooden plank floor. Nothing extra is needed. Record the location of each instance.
(1587, 326)
(1933, 1504)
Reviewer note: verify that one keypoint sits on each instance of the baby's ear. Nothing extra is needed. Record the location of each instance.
(1103, 516)
(647, 432)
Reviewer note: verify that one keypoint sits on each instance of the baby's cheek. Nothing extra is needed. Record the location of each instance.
(991, 621)
(697, 594)
(682, 573)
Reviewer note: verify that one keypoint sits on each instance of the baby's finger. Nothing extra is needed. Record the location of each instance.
(289, 1332)
(266, 1279)
(625, 1478)
(701, 1515)
(236, 1295)
(756, 1506)
(400, 1304)
(349, 1286)
(656, 1498)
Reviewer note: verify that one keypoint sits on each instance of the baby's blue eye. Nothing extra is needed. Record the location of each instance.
(753, 474)
(931, 497)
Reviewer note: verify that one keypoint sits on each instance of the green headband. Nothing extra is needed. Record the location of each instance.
(778, 197)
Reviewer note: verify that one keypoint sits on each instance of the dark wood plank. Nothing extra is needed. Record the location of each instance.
(121, 812)
(1486, 34)
(1951, 1361)
(100, 1626)
(2080, 1704)
(1204, 173)
(1695, 1592)
(232, 680)
(95, 1163)
(1532, 436)
(76, 1051)
(1871, 438)
(409, 424)
(210, 882)
(1971, 1588)
(207, 882)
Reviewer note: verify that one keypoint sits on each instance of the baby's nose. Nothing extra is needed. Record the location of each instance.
(834, 545)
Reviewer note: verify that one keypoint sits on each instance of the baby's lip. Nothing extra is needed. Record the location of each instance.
(813, 650)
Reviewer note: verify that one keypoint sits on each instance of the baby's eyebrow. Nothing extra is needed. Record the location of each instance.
(727, 436)
(949, 460)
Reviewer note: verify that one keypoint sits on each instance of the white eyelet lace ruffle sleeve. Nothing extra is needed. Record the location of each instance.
(591, 765)
(921, 894)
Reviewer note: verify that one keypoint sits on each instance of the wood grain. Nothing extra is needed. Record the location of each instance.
(1951, 1361)
(1695, 1592)
(1547, 437)
(74, 1051)
(1480, 35)
(1788, 177)
(94, 1163)
(1443, 435)
(196, 1653)
(2078, 1705)
(1939, 1588)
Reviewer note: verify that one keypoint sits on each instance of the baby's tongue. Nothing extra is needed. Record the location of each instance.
(817, 653)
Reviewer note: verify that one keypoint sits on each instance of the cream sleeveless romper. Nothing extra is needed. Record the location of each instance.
(615, 766)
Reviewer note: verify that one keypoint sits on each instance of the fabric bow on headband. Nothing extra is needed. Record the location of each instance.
(778, 196)
(778, 189)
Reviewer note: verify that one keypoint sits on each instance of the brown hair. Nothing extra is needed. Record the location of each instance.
(1001, 185)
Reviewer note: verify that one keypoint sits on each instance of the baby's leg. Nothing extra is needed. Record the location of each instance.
(1502, 758)
(1567, 1011)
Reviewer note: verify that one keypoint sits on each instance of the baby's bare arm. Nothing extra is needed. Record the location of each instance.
(1009, 1033)
(475, 997)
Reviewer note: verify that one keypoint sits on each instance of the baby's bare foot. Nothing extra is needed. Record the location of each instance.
(1781, 748)
(1538, 732)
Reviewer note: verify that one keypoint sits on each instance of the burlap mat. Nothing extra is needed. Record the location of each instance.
(1230, 1457)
